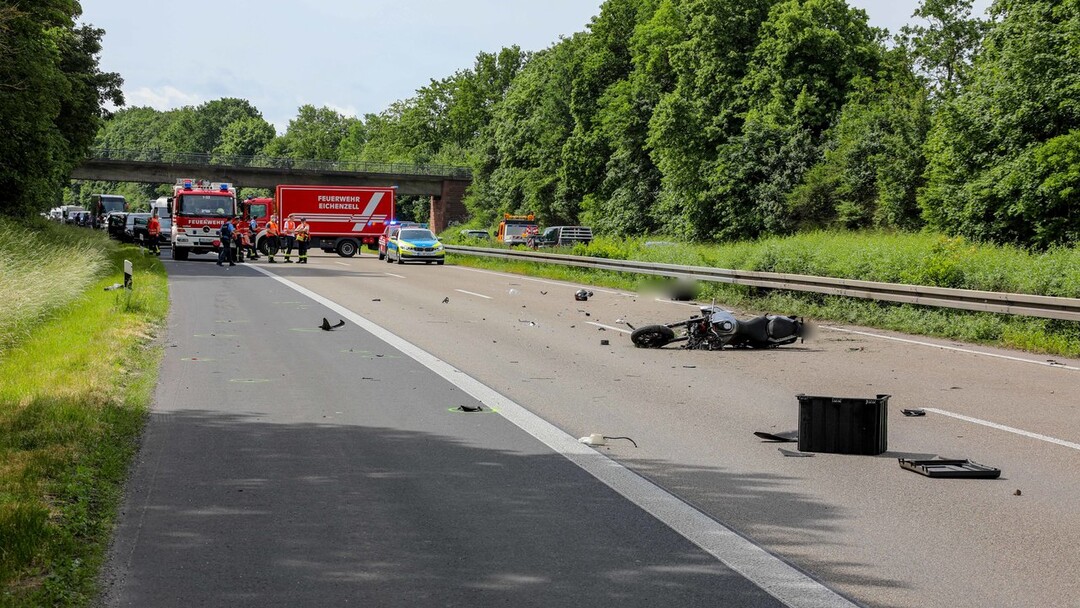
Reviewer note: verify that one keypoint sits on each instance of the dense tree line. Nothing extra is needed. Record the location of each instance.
(51, 99)
(731, 119)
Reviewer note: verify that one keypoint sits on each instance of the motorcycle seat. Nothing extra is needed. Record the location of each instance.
(783, 327)
(756, 330)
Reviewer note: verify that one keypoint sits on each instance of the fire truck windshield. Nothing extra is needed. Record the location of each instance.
(205, 205)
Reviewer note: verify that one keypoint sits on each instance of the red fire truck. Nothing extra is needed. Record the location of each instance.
(342, 218)
(199, 209)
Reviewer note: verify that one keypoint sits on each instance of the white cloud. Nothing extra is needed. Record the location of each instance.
(346, 111)
(160, 98)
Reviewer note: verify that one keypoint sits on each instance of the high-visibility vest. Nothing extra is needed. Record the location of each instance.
(303, 232)
(290, 227)
(153, 227)
(271, 228)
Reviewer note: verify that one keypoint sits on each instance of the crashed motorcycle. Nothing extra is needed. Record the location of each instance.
(714, 328)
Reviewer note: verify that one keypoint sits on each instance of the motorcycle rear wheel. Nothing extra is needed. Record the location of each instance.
(652, 336)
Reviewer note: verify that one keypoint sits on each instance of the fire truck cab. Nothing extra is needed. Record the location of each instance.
(199, 209)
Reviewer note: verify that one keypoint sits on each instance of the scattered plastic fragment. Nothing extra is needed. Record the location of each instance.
(913, 413)
(776, 438)
(327, 327)
(793, 454)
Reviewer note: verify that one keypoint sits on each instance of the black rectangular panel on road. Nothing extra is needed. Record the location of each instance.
(284, 465)
(841, 425)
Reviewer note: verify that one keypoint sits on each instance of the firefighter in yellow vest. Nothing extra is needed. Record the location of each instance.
(303, 239)
(288, 237)
(271, 239)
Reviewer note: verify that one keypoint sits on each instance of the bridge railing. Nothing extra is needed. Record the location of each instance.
(269, 162)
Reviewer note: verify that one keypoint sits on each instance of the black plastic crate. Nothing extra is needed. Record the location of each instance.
(840, 425)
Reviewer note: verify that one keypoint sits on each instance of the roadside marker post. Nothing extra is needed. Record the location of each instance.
(127, 274)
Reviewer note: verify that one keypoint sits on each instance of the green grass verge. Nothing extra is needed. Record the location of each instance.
(78, 379)
(918, 259)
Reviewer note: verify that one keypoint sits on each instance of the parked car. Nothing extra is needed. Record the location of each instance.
(561, 236)
(410, 244)
(114, 224)
(476, 235)
(135, 228)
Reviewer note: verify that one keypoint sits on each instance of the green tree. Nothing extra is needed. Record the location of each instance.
(703, 111)
(1002, 153)
(873, 163)
(246, 136)
(52, 95)
(944, 47)
(809, 57)
(315, 134)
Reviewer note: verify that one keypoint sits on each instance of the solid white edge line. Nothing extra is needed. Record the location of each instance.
(625, 331)
(479, 295)
(770, 573)
(1002, 427)
(395, 275)
(342, 263)
(953, 348)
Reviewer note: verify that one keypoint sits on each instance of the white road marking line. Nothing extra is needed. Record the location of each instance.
(479, 295)
(342, 263)
(1072, 368)
(625, 331)
(395, 275)
(692, 304)
(1002, 427)
(546, 281)
(953, 348)
(774, 576)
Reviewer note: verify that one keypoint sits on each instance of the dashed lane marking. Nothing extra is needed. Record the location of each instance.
(479, 295)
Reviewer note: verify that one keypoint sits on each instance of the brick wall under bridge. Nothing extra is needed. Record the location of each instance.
(449, 206)
(446, 192)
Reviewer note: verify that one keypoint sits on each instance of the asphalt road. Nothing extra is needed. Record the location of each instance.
(288, 466)
(285, 465)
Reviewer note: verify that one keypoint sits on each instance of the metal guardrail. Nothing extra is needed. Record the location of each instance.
(268, 162)
(986, 301)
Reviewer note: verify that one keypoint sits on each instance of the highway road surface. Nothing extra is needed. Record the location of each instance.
(284, 465)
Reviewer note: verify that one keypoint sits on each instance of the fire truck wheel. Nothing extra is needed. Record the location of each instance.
(267, 246)
(347, 248)
(179, 253)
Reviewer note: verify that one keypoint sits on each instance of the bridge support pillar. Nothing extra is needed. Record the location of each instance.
(449, 206)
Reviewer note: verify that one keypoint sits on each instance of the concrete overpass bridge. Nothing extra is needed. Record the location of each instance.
(444, 185)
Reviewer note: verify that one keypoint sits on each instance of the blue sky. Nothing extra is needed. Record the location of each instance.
(356, 56)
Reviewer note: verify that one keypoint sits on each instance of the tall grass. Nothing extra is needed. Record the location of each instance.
(916, 259)
(75, 390)
(44, 267)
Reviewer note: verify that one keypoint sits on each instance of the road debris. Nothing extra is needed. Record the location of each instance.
(913, 413)
(794, 454)
(470, 409)
(605, 342)
(950, 468)
(595, 439)
(582, 295)
(327, 327)
(785, 438)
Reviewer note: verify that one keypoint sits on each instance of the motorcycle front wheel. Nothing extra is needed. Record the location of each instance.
(652, 336)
